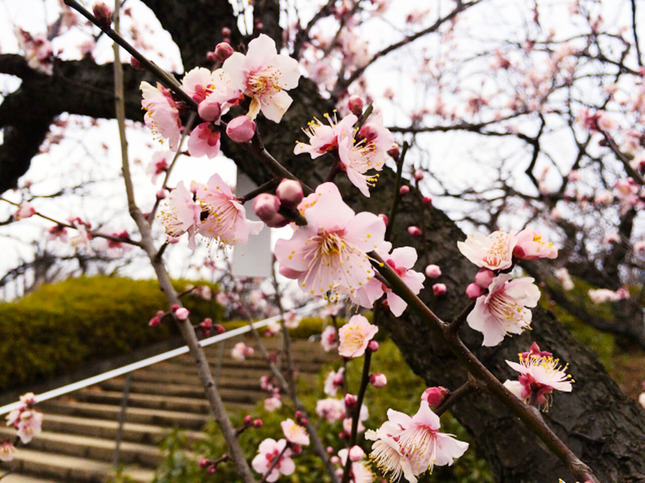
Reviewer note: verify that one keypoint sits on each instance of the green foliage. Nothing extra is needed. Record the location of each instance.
(402, 393)
(64, 326)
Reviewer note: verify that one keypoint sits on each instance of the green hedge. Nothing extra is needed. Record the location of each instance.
(63, 326)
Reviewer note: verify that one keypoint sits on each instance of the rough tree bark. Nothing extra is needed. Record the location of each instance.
(596, 420)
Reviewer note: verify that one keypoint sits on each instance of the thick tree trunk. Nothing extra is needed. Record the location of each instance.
(596, 420)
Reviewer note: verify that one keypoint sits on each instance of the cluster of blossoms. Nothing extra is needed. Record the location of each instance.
(276, 455)
(262, 75)
(501, 302)
(540, 375)
(26, 421)
(357, 150)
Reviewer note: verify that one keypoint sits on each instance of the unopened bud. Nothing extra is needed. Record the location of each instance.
(356, 453)
(484, 277)
(161, 194)
(182, 313)
(473, 291)
(155, 321)
(226, 32)
(435, 395)
(414, 231)
(394, 152)
(103, 15)
(257, 423)
(266, 206)
(427, 200)
(350, 401)
(289, 192)
(248, 419)
(174, 307)
(378, 380)
(355, 105)
(223, 51)
(372, 346)
(209, 110)
(204, 462)
(404, 190)
(438, 289)
(418, 174)
(433, 271)
(135, 64)
(241, 129)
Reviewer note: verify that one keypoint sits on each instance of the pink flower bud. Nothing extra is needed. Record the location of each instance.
(204, 462)
(103, 15)
(298, 415)
(378, 380)
(356, 453)
(372, 346)
(289, 192)
(484, 278)
(404, 190)
(433, 271)
(248, 419)
(439, 289)
(257, 423)
(355, 105)
(241, 129)
(160, 313)
(219, 329)
(209, 110)
(136, 65)
(211, 469)
(266, 206)
(384, 218)
(226, 31)
(473, 291)
(223, 51)
(350, 401)
(174, 307)
(418, 174)
(427, 200)
(155, 321)
(330, 450)
(435, 395)
(414, 231)
(182, 313)
(334, 460)
(394, 152)
(161, 194)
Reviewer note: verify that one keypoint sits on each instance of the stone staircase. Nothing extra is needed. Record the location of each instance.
(77, 443)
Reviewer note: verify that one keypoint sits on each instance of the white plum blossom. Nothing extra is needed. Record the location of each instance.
(494, 251)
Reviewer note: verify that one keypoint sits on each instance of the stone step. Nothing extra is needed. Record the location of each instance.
(134, 432)
(172, 403)
(244, 393)
(157, 417)
(92, 448)
(16, 478)
(72, 469)
(225, 380)
(310, 367)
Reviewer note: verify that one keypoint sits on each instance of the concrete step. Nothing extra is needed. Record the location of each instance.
(243, 393)
(71, 468)
(92, 448)
(16, 478)
(225, 380)
(134, 432)
(245, 365)
(157, 417)
(172, 403)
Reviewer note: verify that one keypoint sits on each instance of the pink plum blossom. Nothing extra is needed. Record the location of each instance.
(162, 115)
(204, 140)
(7, 451)
(25, 210)
(562, 274)
(181, 214)
(323, 138)
(503, 310)
(378, 380)
(602, 295)
(494, 251)
(354, 336)
(241, 351)
(330, 252)
(268, 451)
(272, 403)
(360, 473)
(401, 260)
(411, 445)
(159, 164)
(330, 409)
(530, 246)
(226, 220)
(264, 76)
(329, 338)
(540, 375)
(38, 50)
(334, 381)
(294, 433)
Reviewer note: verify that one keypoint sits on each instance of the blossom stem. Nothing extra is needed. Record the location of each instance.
(165, 78)
(459, 393)
(397, 184)
(365, 379)
(461, 317)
